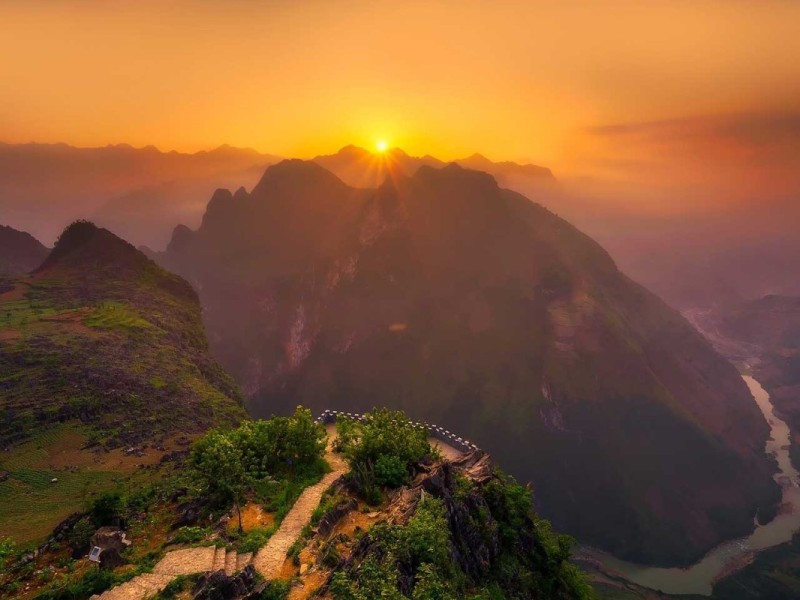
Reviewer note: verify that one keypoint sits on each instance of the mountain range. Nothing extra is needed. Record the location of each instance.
(141, 194)
(467, 304)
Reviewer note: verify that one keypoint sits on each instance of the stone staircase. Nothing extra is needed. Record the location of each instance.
(267, 562)
(178, 562)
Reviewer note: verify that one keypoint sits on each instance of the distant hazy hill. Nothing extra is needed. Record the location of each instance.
(447, 296)
(361, 168)
(20, 252)
(140, 192)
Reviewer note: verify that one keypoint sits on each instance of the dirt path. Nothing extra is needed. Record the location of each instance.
(271, 557)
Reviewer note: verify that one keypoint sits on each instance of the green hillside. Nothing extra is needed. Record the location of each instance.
(103, 367)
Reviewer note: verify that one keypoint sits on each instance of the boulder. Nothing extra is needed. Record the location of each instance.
(219, 586)
(111, 558)
(109, 538)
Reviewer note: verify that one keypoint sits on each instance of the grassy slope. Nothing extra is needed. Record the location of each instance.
(101, 339)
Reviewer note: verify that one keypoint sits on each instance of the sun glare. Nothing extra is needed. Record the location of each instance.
(381, 146)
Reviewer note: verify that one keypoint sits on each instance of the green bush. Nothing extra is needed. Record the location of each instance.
(381, 450)
(276, 590)
(78, 537)
(255, 539)
(280, 445)
(533, 561)
(385, 432)
(390, 471)
(107, 508)
(6, 550)
(190, 535)
(94, 581)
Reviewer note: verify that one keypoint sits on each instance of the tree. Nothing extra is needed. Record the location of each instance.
(280, 444)
(218, 462)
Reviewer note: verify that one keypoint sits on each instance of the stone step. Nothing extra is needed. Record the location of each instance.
(138, 588)
(219, 560)
(187, 561)
(230, 562)
(242, 560)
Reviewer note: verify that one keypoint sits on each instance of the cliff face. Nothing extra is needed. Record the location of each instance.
(468, 305)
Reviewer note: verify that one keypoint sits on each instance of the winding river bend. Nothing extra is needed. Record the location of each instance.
(700, 577)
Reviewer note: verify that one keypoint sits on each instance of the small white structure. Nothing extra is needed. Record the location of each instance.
(94, 555)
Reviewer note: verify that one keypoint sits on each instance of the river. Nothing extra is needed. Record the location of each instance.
(700, 577)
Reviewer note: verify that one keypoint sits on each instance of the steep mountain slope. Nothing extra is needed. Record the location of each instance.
(458, 301)
(20, 252)
(104, 370)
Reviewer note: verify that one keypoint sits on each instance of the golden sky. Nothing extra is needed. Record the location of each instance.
(513, 80)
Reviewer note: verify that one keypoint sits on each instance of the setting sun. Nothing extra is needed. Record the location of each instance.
(381, 146)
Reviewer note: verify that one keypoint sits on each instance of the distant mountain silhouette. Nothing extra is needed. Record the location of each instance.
(445, 295)
(361, 168)
(136, 191)
(20, 252)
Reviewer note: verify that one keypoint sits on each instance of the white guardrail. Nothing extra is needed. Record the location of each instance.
(440, 433)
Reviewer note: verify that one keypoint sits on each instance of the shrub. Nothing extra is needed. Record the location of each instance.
(107, 508)
(255, 539)
(390, 471)
(94, 581)
(6, 550)
(381, 450)
(385, 432)
(281, 444)
(80, 534)
(276, 590)
(190, 535)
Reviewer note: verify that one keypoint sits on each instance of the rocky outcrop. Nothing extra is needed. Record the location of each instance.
(334, 515)
(219, 586)
(111, 540)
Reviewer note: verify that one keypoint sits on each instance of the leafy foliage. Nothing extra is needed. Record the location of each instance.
(277, 458)
(93, 581)
(107, 508)
(414, 561)
(6, 550)
(382, 449)
(280, 444)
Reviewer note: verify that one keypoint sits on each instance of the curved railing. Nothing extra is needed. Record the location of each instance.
(439, 433)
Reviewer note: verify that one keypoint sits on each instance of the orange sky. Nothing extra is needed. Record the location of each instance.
(513, 80)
